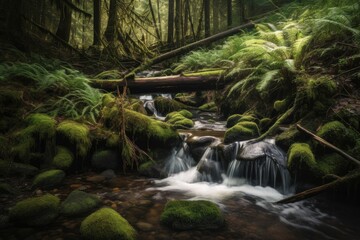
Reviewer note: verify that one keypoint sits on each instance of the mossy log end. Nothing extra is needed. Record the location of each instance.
(176, 83)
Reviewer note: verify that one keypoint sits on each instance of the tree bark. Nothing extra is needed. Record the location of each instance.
(110, 32)
(207, 17)
(178, 18)
(154, 21)
(229, 13)
(64, 27)
(170, 38)
(215, 11)
(97, 22)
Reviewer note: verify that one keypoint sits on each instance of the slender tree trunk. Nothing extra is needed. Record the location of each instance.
(159, 18)
(215, 12)
(207, 17)
(178, 23)
(110, 32)
(64, 27)
(186, 17)
(229, 13)
(154, 21)
(242, 11)
(198, 31)
(97, 22)
(170, 38)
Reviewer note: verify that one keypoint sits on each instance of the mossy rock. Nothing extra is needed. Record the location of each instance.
(12, 168)
(280, 105)
(6, 188)
(241, 131)
(178, 119)
(186, 113)
(138, 107)
(211, 106)
(63, 158)
(166, 105)
(149, 132)
(265, 124)
(79, 203)
(108, 99)
(106, 224)
(150, 169)
(336, 133)
(186, 215)
(333, 164)
(288, 137)
(233, 120)
(48, 179)
(77, 134)
(105, 159)
(36, 211)
(301, 160)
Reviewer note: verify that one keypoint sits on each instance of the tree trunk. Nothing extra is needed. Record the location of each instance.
(97, 22)
(14, 24)
(207, 17)
(186, 17)
(229, 13)
(110, 32)
(215, 12)
(159, 18)
(198, 31)
(64, 27)
(170, 38)
(178, 23)
(154, 21)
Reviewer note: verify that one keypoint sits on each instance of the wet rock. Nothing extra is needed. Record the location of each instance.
(36, 211)
(103, 160)
(106, 223)
(96, 179)
(150, 169)
(198, 145)
(143, 226)
(108, 174)
(10, 167)
(186, 215)
(79, 203)
(48, 179)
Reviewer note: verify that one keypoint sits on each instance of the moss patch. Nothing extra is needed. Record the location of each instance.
(233, 120)
(106, 224)
(288, 137)
(48, 179)
(301, 159)
(241, 131)
(37, 211)
(166, 105)
(63, 158)
(280, 105)
(336, 133)
(211, 106)
(10, 167)
(78, 134)
(184, 215)
(332, 164)
(79, 203)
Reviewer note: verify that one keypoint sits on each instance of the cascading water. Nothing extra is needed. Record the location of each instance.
(149, 105)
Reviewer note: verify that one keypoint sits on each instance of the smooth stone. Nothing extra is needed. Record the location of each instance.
(143, 226)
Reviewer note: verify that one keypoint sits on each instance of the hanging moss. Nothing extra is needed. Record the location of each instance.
(106, 224)
(37, 211)
(63, 158)
(301, 160)
(241, 131)
(185, 215)
(77, 134)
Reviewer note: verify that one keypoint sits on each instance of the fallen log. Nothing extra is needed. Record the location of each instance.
(176, 83)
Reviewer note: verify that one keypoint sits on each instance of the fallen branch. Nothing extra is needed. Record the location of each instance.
(314, 191)
(326, 143)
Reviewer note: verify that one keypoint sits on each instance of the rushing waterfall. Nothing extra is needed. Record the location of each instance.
(179, 161)
(150, 106)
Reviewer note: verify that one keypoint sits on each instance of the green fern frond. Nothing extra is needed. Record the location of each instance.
(266, 80)
(299, 49)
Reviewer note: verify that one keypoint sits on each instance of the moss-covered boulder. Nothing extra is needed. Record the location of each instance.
(233, 120)
(180, 120)
(106, 224)
(333, 164)
(166, 105)
(150, 169)
(336, 133)
(288, 137)
(14, 168)
(185, 215)
(36, 211)
(280, 105)
(105, 159)
(63, 158)
(241, 131)
(76, 134)
(48, 179)
(264, 124)
(79, 203)
(301, 160)
(211, 106)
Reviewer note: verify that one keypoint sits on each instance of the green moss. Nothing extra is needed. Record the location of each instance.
(10, 97)
(108, 99)
(6, 188)
(179, 121)
(138, 107)
(301, 159)
(233, 120)
(332, 164)
(288, 137)
(113, 140)
(336, 133)
(78, 134)
(265, 124)
(241, 131)
(280, 105)
(9, 167)
(186, 113)
(48, 179)
(145, 129)
(216, 72)
(249, 118)
(145, 166)
(106, 224)
(184, 215)
(211, 106)
(79, 203)
(166, 105)
(37, 211)
(63, 158)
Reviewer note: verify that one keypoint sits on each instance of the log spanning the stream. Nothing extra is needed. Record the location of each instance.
(175, 83)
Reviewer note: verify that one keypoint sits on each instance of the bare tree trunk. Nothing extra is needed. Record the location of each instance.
(178, 23)
(186, 17)
(242, 11)
(64, 27)
(170, 38)
(154, 21)
(215, 12)
(97, 22)
(159, 18)
(229, 13)
(207, 17)
(110, 32)
(198, 31)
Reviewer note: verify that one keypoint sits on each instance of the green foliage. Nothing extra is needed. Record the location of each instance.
(36, 211)
(48, 179)
(63, 158)
(179, 120)
(77, 134)
(336, 133)
(301, 159)
(79, 203)
(185, 215)
(211, 106)
(106, 224)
